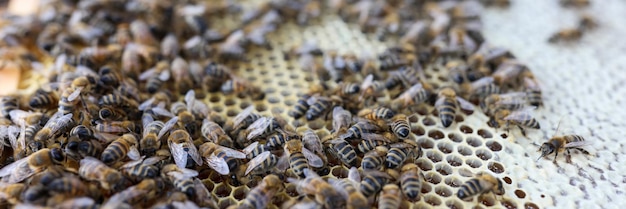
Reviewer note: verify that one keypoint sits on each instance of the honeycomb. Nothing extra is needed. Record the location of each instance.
(469, 144)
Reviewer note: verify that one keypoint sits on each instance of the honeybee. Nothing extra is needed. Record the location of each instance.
(415, 95)
(533, 90)
(344, 151)
(447, 103)
(334, 65)
(345, 89)
(564, 142)
(170, 46)
(260, 196)
(487, 54)
(375, 158)
(405, 76)
(141, 33)
(68, 185)
(480, 184)
(219, 158)
(182, 147)
(116, 100)
(153, 131)
(156, 104)
(400, 126)
(111, 114)
(89, 148)
(181, 178)
(185, 117)
(566, 35)
(509, 101)
(109, 76)
(196, 47)
(341, 120)
(261, 163)
(481, 88)
(376, 114)
(507, 71)
(213, 132)
(324, 193)
(232, 47)
(361, 129)
(300, 108)
(142, 168)
(255, 149)
(371, 141)
(300, 158)
(124, 145)
(411, 181)
(242, 120)
(318, 106)
(8, 104)
(155, 76)
(371, 88)
(67, 106)
(240, 86)
(110, 179)
(349, 190)
(53, 127)
(181, 75)
(521, 118)
(44, 100)
(390, 197)
(373, 181)
(312, 142)
(263, 127)
(34, 163)
(135, 56)
(117, 127)
(402, 151)
(138, 195)
(215, 75)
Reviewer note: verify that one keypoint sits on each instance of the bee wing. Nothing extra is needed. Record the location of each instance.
(464, 104)
(512, 98)
(336, 183)
(60, 122)
(521, 114)
(195, 155)
(200, 108)
(168, 125)
(218, 164)
(148, 74)
(367, 82)
(21, 171)
(146, 119)
(79, 202)
(250, 148)
(341, 118)
(16, 142)
(144, 105)
(354, 175)
(256, 161)
(233, 153)
(19, 116)
(190, 99)
(400, 145)
(482, 82)
(133, 153)
(105, 137)
(74, 94)
(374, 136)
(283, 163)
(162, 112)
(152, 160)
(132, 163)
(165, 75)
(440, 101)
(242, 115)
(577, 144)
(377, 173)
(183, 173)
(313, 159)
(258, 127)
(7, 170)
(178, 153)
(531, 83)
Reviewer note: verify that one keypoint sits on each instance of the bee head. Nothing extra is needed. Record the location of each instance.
(546, 149)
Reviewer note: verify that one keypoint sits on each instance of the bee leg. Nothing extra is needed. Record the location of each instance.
(582, 150)
(556, 153)
(522, 130)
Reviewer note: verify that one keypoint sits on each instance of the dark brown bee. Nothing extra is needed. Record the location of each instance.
(300, 108)
(8, 104)
(482, 183)
(44, 100)
(566, 142)
(446, 105)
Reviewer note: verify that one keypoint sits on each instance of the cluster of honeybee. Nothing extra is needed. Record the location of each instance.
(122, 122)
